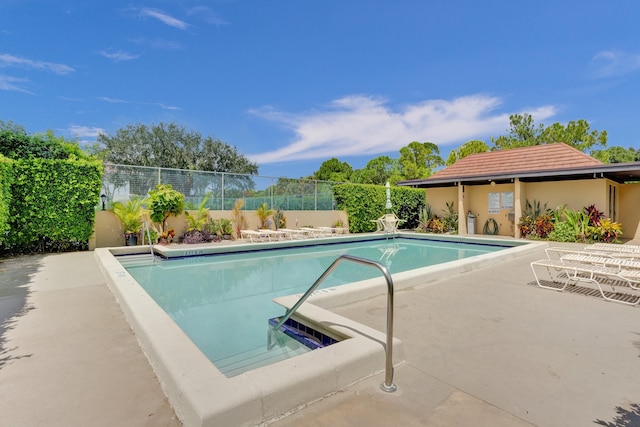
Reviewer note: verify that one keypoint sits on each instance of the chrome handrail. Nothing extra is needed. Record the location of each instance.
(388, 384)
(146, 226)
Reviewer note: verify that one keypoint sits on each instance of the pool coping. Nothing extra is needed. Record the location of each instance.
(203, 396)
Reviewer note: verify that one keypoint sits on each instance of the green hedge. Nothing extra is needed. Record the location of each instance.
(6, 178)
(53, 204)
(365, 202)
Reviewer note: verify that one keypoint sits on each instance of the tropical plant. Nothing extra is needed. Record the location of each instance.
(164, 201)
(264, 213)
(279, 220)
(198, 220)
(607, 231)
(226, 225)
(238, 216)
(130, 214)
(450, 219)
(562, 232)
(579, 222)
(543, 225)
(593, 214)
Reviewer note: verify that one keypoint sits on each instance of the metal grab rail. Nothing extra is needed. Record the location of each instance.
(146, 226)
(388, 384)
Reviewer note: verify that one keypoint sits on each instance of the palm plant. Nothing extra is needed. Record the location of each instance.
(130, 214)
(264, 212)
(199, 219)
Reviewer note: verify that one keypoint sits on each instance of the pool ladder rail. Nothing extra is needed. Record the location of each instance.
(388, 384)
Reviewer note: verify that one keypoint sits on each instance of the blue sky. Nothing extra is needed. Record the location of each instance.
(293, 83)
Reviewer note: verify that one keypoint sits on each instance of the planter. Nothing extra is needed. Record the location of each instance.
(226, 236)
(131, 239)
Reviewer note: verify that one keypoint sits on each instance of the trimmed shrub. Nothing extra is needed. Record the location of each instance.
(366, 202)
(53, 204)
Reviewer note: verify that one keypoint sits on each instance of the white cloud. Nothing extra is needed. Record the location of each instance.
(157, 43)
(364, 125)
(7, 60)
(118, 55)
(612, 63)
(123, 101)
(164, 18)
(207, 15)
(85, 131)
(13, 84)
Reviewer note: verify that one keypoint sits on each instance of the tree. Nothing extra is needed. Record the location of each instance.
(470, 147)
(334, 170)
(15, 143)
(577, 134)
(524, 133)
(171, 146)
(616, 154)
(419, 159)
(378, 171)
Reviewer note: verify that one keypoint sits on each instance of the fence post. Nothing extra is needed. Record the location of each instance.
(222, 191)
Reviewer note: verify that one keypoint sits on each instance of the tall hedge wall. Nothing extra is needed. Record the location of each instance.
(6, 178)
(365, 202)
(53, 204)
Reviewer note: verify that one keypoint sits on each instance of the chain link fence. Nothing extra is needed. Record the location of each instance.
(122, 182)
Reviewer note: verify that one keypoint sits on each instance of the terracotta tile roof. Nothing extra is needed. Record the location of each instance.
(538, 158)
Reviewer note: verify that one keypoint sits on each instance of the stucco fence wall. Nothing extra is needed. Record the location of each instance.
(624, 207)
(109, 232)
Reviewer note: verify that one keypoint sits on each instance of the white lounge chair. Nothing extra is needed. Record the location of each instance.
(562, 273)
(316, 232)
(295, 233)
(614, 248)
(254, 236)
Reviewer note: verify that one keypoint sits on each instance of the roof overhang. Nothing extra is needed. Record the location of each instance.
(617, 172)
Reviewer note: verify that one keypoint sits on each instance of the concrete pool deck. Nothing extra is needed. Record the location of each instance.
(481, 348)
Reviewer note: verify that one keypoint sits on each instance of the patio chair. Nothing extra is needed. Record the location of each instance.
(562, 273)
(615, 249)
(390, 222)
(254, 236)
(295, 233)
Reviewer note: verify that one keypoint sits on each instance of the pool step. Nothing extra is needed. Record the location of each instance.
(294, 338)
(136, 260)
(285, 348)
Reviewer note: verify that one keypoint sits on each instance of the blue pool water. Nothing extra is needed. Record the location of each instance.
(223, 302)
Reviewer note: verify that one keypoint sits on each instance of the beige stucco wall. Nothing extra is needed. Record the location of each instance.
(624, 208)
(109, 232)
(629, 211)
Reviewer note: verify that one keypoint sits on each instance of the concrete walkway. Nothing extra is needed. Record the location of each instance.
(68, 356)
(484, 348)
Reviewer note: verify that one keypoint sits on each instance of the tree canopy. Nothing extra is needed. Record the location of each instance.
(15, 143)
(419, 159)
(334, 170)
(171, 146)
(523, 132)
(470, 147)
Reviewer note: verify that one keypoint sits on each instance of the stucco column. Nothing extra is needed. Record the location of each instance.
(462, 211)
(517, 206)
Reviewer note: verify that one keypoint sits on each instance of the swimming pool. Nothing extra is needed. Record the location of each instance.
(201, 395)
(223, 302)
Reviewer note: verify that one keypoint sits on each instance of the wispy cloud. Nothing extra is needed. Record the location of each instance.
(365, 125)
(207, 15)
(85, 132)
(157, 43)
(614, 63)
(118, 55)
(164, 18)
(123, 101)
(7, 60)
(13, 84)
